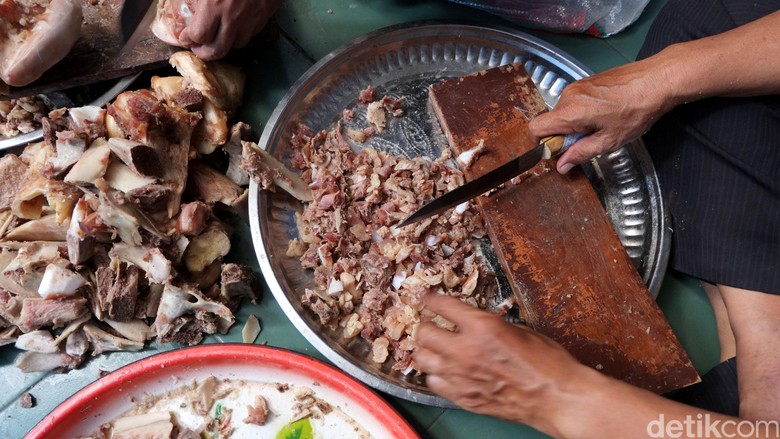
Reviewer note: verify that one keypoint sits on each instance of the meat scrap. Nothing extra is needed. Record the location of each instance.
(258, 412)
(126, 196)
(21, 116)
(26, 400)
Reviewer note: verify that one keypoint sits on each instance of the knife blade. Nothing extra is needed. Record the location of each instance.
(548, 147)
(135, 19)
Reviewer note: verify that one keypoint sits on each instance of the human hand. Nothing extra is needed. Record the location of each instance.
(491, 367)
(218, 25)
(615, 107)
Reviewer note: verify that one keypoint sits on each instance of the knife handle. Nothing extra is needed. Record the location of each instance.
(558, 144)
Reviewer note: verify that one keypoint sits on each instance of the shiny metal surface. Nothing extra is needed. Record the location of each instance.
(403, 61)
(478, 186)
(37, 135)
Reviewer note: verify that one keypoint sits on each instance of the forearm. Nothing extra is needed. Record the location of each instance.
(593, 405)
(740, 62)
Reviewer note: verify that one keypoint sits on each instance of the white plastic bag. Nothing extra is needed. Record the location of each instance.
(600, 18)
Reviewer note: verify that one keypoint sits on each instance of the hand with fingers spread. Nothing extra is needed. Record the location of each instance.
(217, 26)
(492, 367)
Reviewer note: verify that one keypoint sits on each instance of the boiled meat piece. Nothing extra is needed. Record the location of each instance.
(35, 35)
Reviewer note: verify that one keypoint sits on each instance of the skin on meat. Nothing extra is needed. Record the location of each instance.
(28, 51)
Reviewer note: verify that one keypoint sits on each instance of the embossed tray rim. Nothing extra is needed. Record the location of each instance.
(319, 75)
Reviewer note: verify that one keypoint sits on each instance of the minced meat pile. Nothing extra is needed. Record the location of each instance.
(370, 276)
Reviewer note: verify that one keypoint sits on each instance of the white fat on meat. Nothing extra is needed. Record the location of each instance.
(29, 53)
(58, 282)
(467, 158)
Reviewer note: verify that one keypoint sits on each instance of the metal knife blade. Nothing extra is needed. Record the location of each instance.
(547, 147)
(136, 18)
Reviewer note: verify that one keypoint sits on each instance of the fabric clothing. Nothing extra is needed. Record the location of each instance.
(717, 391)
(718, 161)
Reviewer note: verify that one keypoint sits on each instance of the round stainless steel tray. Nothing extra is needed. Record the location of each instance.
(403, 61)
(37, 135)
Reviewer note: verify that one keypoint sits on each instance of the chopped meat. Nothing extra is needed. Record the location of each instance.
(69, 147)
(237, 281)
(36, 313)
(193, 218)
(366, 95)
(211, 186)
(142, 159)
(234, 148)
(88, 122)
(106, 188)
(26, 400)
(12, 175)
(393, 105)
(324, 311)
(377, 270)
(257, 413)
(190, 99)
(370, 277)
(185, 313)
(135, 112)
(376, 116)
(21, 116)
(118, 301)
(150, 198)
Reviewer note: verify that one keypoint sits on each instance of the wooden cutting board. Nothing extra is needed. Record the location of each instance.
(94, 57)
(573, 280)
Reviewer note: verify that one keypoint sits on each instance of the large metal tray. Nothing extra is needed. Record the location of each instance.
(403, 61)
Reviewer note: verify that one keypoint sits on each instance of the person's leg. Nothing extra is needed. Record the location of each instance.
(728, 348)
(717, 164)
(755, 319)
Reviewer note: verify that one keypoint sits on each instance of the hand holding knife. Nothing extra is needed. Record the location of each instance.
(548, 147)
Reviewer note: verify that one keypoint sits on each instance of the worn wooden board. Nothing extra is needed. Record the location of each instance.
(94, 57)
(573, 279)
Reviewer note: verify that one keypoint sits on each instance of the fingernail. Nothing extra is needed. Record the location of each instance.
(564, 168)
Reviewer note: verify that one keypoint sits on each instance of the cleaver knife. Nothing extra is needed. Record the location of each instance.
(136, 19)
(548, 147)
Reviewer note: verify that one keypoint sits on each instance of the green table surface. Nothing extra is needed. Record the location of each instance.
(310, 29)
